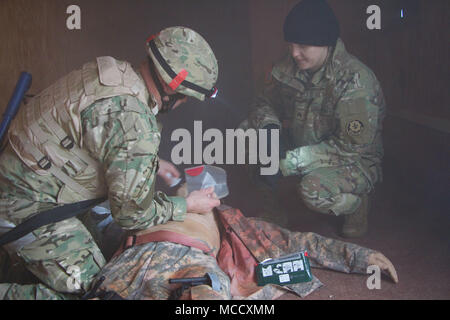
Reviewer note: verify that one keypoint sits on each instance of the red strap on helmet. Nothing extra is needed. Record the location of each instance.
(181, 77)
(152, 37)
(176, 82)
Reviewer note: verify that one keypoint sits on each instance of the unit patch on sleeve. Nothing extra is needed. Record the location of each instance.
(355, 128)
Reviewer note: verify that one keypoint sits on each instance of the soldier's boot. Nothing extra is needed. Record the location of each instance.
(356, 224)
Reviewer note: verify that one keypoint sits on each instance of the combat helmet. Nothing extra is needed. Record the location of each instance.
(185, 61)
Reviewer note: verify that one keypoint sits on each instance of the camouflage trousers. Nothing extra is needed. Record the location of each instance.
(334, 190)
(143, 272)
(331, 190)
(63, 257)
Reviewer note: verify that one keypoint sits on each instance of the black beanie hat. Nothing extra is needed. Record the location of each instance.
(312, 22)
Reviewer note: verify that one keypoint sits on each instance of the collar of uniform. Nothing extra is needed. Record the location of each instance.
(315, 78)
(319, 75)
(153, 104)
(286, 72)
(334, 62)
(327, 70)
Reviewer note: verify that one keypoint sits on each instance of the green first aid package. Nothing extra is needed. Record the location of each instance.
(290, 269)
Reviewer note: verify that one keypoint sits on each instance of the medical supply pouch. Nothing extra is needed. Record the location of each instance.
(290, 269)
(203, 177)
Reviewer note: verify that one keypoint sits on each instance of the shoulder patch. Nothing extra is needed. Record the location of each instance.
(109, 72)
(355, 128)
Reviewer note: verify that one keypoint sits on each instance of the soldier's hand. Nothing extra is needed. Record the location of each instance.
(168, 172)
(385, 265)
(202, 201)
(182, 191)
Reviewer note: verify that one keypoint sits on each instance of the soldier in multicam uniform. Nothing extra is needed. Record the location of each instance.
(93, 134)
(228, 245)
(329, 108)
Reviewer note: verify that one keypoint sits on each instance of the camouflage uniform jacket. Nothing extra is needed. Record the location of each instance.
(331, 118)
(122, 134)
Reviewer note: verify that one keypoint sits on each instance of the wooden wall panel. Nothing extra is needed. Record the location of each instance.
(413, 62)
(266, 30)
(30, 41)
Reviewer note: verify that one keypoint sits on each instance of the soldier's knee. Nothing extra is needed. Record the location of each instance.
(4, 289)
(332, 191)
(316, 194)
(310, 188)
(69, 268)
(13, 291)
(71, 274)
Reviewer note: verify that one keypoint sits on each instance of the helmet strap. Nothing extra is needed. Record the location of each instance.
(176, 77)
(172, 99)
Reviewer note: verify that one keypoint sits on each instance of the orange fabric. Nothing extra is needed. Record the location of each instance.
(238, 263)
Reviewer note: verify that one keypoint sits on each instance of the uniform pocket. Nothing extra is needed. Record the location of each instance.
(324, 125)
(64, 256)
